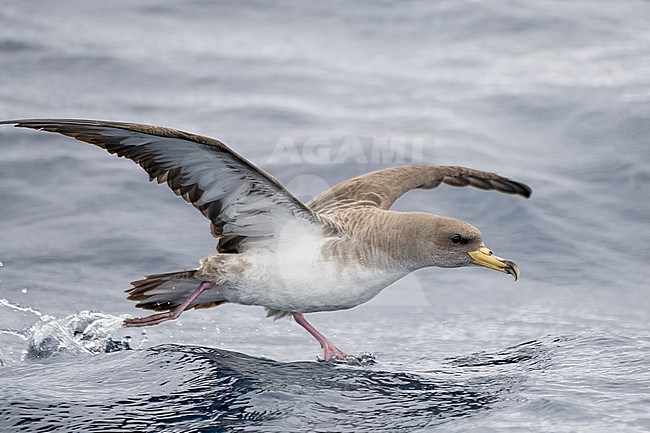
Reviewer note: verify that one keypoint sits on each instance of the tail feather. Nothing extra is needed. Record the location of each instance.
(162, 292)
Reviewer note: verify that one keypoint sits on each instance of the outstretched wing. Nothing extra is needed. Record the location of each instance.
(245, 204)
(381, 188)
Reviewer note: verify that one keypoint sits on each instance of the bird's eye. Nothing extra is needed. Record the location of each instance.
(456, 239)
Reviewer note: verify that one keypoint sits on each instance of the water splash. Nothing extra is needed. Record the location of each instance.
(16, 307)
(16, 324)
(82, 333)
(29, 334)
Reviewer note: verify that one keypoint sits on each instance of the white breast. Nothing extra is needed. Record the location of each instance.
(296, 276)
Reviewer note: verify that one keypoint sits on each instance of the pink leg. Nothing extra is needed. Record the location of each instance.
(169, 315)
(330, 351)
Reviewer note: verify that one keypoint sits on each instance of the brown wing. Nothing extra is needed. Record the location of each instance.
(245, 204)
(381, 188)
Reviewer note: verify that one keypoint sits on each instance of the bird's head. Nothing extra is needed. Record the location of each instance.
(452, 243)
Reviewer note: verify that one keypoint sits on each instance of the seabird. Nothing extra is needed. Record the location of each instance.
(334, 253)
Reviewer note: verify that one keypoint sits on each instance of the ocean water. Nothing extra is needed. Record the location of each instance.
(553, 94)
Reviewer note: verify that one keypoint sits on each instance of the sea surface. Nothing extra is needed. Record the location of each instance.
(550, 93)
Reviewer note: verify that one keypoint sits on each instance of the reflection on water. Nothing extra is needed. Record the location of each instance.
(187, 388)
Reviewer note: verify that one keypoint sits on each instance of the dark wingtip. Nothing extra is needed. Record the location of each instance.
(44, 122)
(513, 187)
(30, 123)
(10, 122)
(523, 189)
(20, 122)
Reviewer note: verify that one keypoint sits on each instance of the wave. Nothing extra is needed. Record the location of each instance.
(76, 377)
(181, 388)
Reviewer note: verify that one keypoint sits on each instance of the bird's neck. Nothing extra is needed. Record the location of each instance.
(384, 239)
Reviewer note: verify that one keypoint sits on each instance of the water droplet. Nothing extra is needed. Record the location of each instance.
(24, 290)
(1, 265)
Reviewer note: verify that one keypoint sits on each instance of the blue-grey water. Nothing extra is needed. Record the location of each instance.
(554, 94)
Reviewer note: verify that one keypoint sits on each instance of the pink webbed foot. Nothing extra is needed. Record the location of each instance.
(155, 319)
(331, 353)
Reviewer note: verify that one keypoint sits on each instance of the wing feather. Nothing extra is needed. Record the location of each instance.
(381, 188)
(244, 204)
